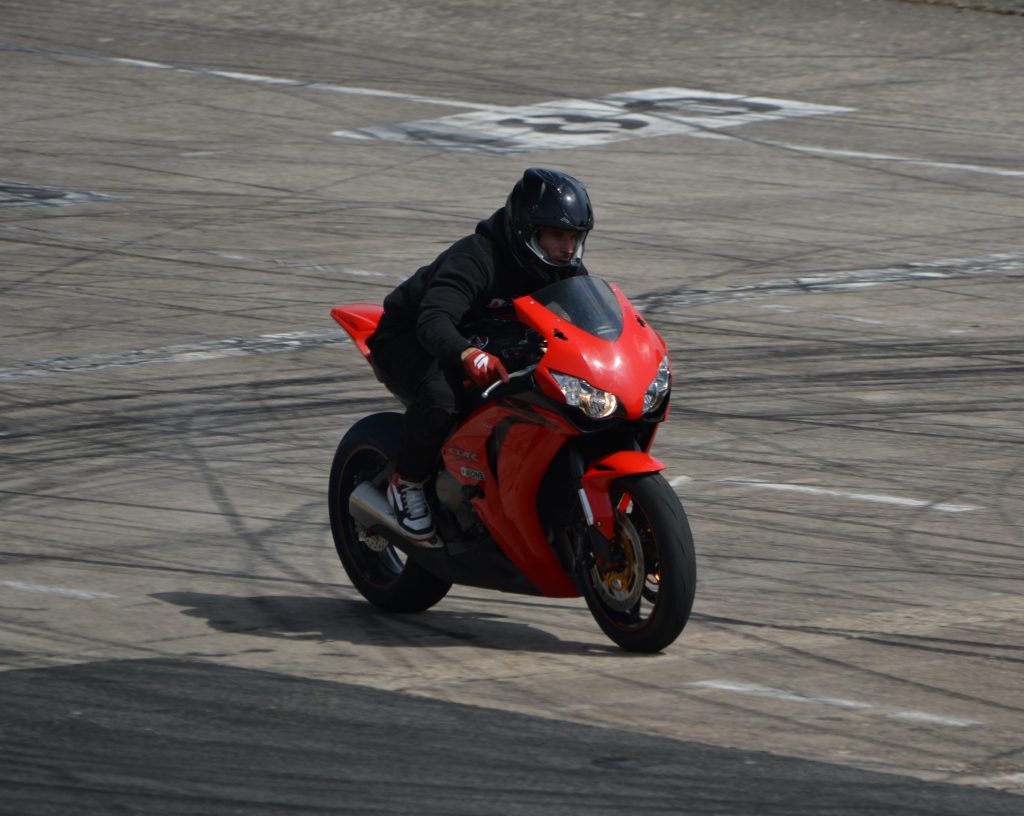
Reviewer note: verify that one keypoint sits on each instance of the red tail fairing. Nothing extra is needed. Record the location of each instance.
(360, 321)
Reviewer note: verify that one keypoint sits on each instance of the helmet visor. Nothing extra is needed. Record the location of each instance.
(558, 247)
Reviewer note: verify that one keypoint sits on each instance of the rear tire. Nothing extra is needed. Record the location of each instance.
(644, 603)
(381, 573)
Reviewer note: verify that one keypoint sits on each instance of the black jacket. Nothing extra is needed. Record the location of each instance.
(473, 278)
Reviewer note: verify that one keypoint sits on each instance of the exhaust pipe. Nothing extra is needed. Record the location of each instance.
(370, 507)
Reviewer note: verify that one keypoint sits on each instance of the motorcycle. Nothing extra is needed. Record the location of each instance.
(546, 486)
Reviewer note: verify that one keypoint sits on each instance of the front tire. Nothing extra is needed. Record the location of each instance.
(381, 573)
(644, 601)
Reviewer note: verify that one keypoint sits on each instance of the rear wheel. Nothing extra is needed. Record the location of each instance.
(380, 572)
(643, 599)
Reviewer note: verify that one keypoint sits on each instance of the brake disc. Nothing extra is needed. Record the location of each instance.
(620, 589)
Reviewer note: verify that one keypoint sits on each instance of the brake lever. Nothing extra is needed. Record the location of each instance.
(523, 372)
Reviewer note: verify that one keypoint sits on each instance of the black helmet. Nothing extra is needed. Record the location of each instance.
(547, 198)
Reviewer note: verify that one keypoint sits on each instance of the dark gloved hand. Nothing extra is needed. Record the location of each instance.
(483, 368)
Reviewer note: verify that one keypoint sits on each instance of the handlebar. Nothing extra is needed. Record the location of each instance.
(523, 372)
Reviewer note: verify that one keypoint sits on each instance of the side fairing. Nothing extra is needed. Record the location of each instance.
(504, 450)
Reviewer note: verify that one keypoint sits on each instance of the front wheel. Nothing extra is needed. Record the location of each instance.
(380, 572)
(642, 600)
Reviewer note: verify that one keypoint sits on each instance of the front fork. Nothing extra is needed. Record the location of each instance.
(593, 484)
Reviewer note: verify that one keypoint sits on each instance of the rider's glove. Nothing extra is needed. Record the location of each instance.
(483, 368)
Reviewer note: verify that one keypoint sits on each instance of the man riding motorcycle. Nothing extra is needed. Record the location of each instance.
(420, 349)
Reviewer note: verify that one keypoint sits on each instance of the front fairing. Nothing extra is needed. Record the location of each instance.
(592, 331)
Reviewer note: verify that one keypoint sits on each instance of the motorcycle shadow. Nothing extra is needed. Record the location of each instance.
(330, 620)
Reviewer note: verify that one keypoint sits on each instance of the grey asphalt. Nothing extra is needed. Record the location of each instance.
(817, 204)
(205, 739)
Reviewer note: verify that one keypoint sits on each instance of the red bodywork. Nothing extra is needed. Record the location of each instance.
(360, 321)
(530, 436)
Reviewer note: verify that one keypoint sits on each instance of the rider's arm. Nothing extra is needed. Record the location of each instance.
(451, 294)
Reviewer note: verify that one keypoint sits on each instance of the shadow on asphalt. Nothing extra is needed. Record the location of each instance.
(193, 738)
(359, 623)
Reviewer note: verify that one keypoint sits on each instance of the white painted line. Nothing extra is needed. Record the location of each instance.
(881, 157)
(280, 263)
(899, 324)
(701, 123)
(256, 78)
(196, 352)
(1010, 779)
(780, 694)
(899, 501)
(835, 702)
(942, 269)
(843, 494)
(52, 590)
(573, 123)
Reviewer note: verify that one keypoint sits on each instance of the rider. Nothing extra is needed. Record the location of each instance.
(420, 348)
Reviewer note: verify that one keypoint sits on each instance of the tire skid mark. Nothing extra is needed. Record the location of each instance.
(1008, 263)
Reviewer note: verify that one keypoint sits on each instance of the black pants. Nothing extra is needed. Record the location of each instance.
(432, 395)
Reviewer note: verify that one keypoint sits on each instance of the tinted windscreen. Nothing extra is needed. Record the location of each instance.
(586, 302)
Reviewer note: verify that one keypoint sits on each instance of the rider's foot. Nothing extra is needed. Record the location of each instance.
(412, 511)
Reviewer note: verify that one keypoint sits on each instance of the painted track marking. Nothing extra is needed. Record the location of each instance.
(190, 353)
(571, 123)
(697, 128)
(277, 263)
(245, 77)
(785, 695)
(879, 157)
(832, 282)
(65, 592)
(878, 498)
(945, 269)
(844, 494)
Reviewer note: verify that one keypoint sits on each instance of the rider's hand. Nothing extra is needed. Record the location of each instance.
(483, 368)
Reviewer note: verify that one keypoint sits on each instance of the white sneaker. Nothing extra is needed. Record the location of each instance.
(412, 512)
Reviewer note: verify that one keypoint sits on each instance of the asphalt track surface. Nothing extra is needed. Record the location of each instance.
(823, 217)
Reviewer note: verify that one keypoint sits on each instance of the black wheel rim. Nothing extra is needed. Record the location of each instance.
(381, 568)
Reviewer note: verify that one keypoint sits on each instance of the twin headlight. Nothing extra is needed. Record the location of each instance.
(598, 404)
(654, 396)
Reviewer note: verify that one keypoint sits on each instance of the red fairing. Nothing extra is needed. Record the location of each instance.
(360, 321)
(623, 367)
(597, 482)
(508, 506)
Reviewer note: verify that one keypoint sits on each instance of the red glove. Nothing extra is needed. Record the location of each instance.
(483, 368)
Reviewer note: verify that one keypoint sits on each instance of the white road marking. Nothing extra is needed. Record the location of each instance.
(942, 269)
(835, 702)
(844, 494)
(280, 263)
(256, 78)
(195, 352)
(52, 590)
(900, 501)
(698, 126)
(572, 123)
(881, 157)
(899, 324)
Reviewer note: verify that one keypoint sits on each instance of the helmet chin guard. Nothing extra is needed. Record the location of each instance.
(547, 198)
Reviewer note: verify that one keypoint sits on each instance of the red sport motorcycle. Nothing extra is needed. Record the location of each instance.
(546, 485)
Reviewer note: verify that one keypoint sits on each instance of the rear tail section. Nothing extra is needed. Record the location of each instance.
(360, 321)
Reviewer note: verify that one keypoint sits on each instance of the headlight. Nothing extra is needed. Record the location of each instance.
(594, 402)
(656, 391)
